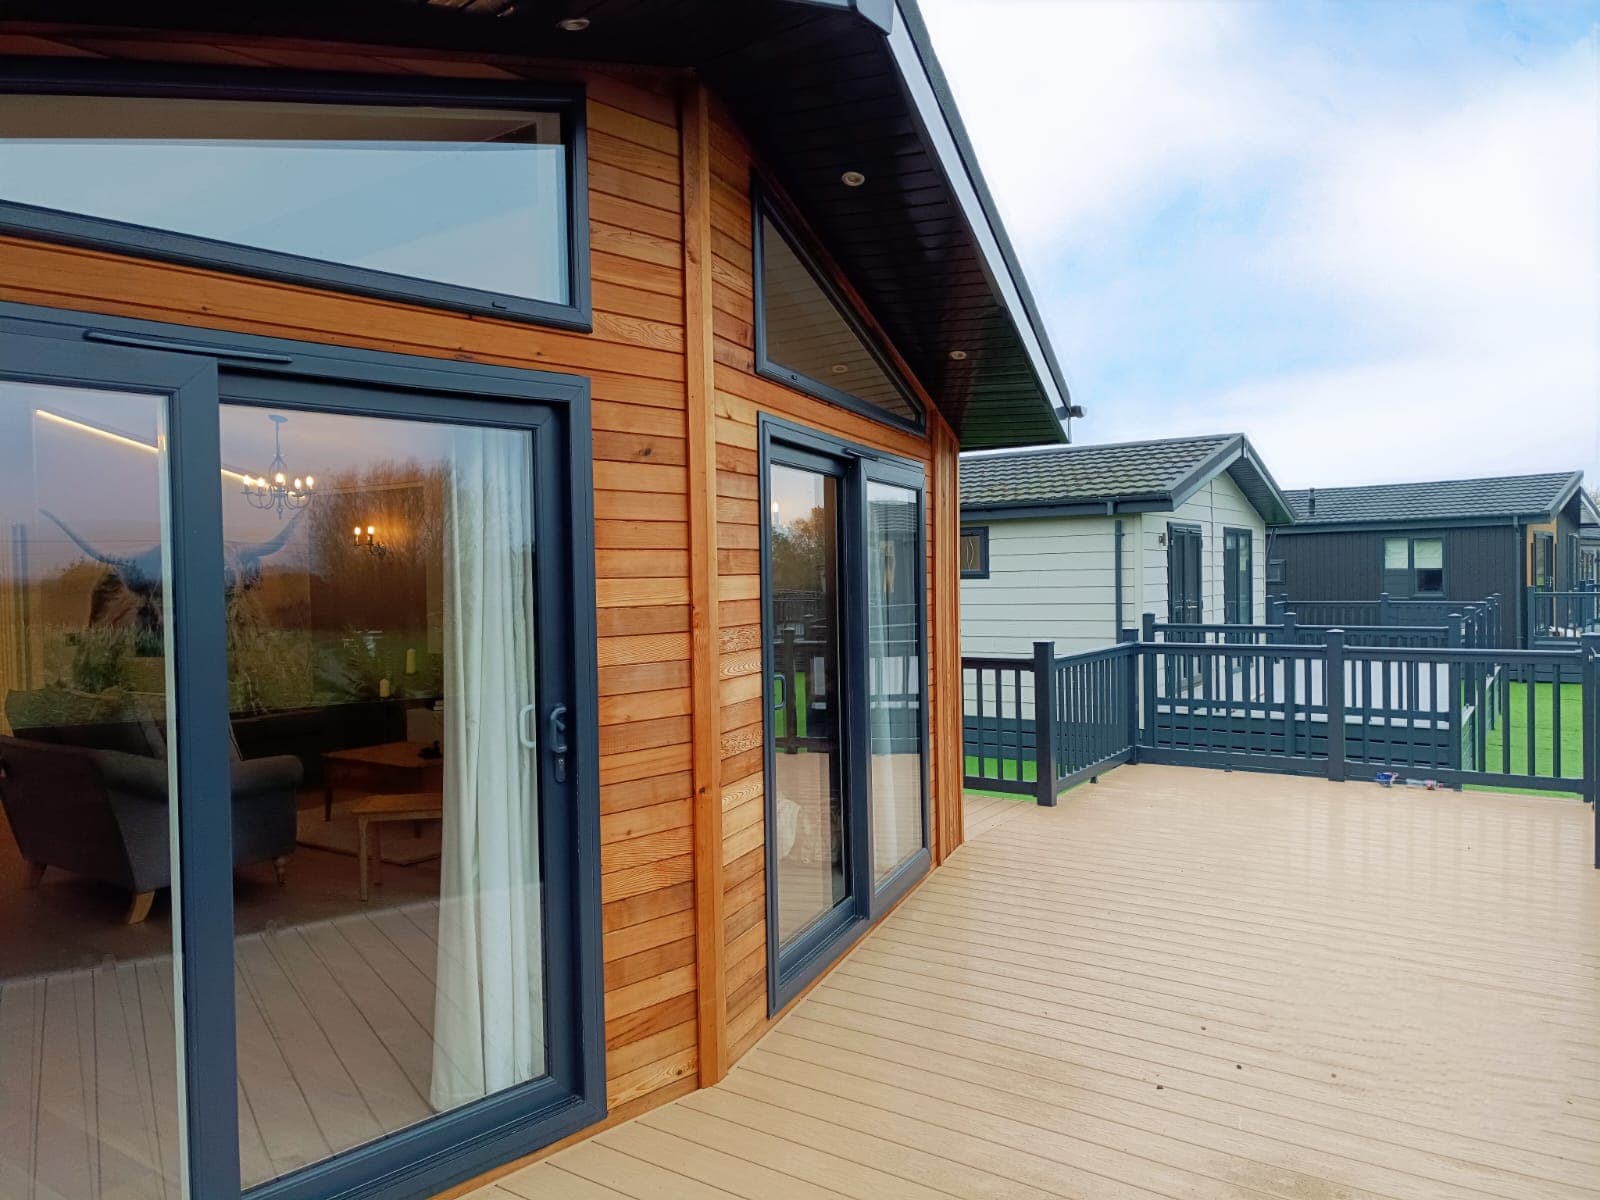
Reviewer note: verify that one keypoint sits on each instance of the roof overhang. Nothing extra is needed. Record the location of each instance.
(1244, 466)
(820, 87)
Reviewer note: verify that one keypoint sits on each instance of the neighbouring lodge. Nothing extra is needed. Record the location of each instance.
(479, 566)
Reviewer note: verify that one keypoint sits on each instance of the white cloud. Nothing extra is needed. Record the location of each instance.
(1450, 230)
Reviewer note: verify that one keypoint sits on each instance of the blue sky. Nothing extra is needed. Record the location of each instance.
(1363, 233)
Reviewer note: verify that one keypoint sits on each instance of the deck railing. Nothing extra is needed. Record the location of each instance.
(1480, 619)
(1562, 616)
(1245, 698)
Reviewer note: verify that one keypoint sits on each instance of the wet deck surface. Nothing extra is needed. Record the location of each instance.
(1179, 983)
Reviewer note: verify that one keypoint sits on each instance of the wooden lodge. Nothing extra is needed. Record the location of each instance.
(585, 382)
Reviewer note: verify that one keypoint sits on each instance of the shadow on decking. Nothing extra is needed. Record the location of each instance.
(1179, 983)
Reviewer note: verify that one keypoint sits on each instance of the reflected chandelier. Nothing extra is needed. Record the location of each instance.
(276, 490)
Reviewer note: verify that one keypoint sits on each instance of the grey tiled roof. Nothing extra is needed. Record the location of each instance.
(1082, 473)
(1446, 499)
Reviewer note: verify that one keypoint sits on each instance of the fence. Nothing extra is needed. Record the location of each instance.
(1249, 698)
(1562, 616)
(1480, 619)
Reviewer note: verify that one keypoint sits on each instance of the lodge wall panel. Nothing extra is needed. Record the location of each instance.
(741, 397)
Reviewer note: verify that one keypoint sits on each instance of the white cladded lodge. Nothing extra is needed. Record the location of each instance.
(1073, 543)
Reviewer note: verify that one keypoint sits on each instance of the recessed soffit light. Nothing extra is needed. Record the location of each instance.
(573, 24)
(958, 355)
(852, 179)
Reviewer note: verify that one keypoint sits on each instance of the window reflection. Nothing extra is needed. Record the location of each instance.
(469, 196)
(88, 1060)
(380, 639)
(894, 675)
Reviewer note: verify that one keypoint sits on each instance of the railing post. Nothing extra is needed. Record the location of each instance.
(1147, 656)
(1130, 637)
(1333, 699)
(1275, 607)
(1454, 639)
(1384, 607)
(1590, 649)
(1044, 722)
(1289, 631)
(791, 716)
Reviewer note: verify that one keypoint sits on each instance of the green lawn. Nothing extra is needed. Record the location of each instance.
(795, 704)
(1514, 723)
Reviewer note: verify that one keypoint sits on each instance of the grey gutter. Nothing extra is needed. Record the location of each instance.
(1490, 521)
(1107, 507)
(931, 99)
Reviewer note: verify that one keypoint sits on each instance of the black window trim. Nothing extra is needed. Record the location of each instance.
(1235, 533)
(66, 78)
(981, 532)
(791, 969)
(1411, 540)
(765, 207)
(449, 1148)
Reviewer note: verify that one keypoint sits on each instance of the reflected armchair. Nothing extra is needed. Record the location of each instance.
(104, 813)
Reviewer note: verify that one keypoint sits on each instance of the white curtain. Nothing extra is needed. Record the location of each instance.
(489, 1006)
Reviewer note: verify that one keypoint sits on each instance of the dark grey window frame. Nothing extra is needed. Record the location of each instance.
(982, 534)
(764, 208)
(1186, 528)
(790, 970)
(1411, 539)
(71, 78)
(1231, 535)
(201, 370)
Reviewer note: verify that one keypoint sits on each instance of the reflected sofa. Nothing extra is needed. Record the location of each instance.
(93, 800)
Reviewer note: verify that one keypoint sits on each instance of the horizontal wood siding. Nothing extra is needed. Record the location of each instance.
(635, 363)
(1217, 506)
(1050, 578)
(741, 397)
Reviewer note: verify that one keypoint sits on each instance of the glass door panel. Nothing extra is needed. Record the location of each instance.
(804, 632)
(894, 674)
(389, 956)
(89, 1095)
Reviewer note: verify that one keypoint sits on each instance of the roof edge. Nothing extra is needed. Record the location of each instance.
(931, 99)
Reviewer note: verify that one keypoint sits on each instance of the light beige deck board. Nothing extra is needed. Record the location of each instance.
(1185, 984)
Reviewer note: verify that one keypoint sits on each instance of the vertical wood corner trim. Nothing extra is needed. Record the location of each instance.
(947, 832)
(710, 934)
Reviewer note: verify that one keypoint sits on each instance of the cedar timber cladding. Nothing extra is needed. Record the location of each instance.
(740, 396)
(634, 360)
(672, 338)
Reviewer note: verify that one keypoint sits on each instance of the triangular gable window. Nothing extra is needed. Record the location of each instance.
(808, 337)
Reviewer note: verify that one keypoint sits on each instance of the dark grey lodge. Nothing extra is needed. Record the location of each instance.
(1520, 537)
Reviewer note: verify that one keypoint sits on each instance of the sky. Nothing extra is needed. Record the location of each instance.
(1365, 234)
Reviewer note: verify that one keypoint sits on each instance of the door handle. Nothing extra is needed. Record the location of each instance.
(525, 728)
(557, 723)
(779, 691)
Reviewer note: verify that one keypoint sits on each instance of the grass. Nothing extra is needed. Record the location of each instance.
(1514, 723)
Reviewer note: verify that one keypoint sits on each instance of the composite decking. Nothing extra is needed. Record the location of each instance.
(335, 1026)
(1179, 983)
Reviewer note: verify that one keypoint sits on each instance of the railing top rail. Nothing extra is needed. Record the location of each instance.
(1120, 650)
(1235, 649)
(971, 661)
(1462, 654)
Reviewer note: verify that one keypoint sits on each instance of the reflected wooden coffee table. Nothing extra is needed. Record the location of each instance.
(373, 812)
(391, 767)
